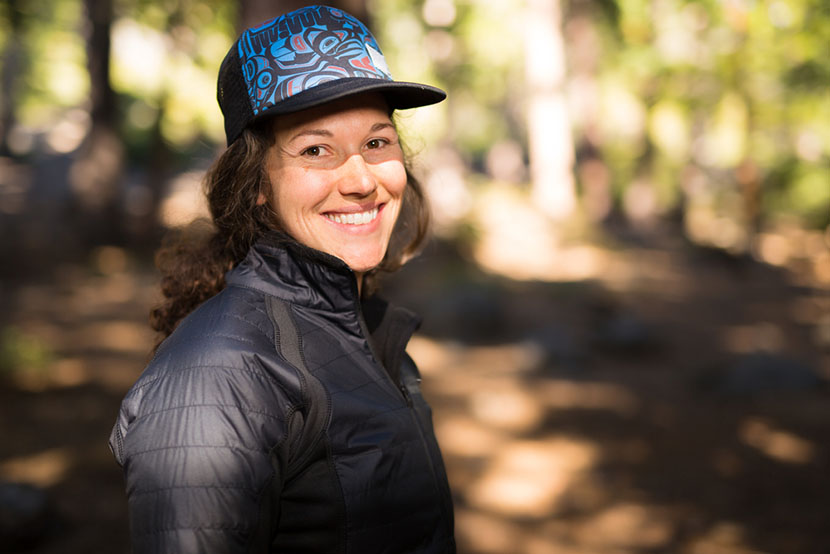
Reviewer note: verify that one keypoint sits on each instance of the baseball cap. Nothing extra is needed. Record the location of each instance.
(305, 58)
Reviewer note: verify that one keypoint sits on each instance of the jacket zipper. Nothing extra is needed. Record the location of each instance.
(438, 484)
(405, 394)
(409, 404)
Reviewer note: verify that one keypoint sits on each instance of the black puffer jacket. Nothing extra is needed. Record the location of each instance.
(283, 415)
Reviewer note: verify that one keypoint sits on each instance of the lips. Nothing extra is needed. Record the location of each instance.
(353, 218)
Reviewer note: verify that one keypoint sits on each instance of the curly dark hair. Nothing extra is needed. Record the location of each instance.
(193, 262)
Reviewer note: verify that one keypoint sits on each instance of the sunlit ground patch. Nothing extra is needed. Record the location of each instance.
(43, 469)
(777, 444)
(528, 478)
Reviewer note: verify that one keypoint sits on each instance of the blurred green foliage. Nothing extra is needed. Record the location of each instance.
(53, 73)
(662, 91)
(738, 91)
(164, 60)
(21, 352)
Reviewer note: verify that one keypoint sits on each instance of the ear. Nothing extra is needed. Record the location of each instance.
(260, 199)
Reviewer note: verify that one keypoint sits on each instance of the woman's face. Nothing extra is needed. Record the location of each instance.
(337, 178)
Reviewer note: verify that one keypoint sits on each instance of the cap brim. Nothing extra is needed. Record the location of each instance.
(400, 95)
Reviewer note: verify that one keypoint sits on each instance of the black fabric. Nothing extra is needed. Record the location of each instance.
(232, 96)
(211, 434)
(390, 328)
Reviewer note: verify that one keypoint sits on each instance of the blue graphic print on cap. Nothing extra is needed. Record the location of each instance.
(303, 49)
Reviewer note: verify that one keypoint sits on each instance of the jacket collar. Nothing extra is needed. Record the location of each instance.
(279, 266)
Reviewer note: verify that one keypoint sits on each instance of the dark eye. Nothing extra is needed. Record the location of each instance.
(374, 143)
(312, 151)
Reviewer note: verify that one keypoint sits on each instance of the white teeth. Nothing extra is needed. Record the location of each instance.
(354, 219)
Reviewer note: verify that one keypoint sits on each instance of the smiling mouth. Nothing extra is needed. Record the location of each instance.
(359, 218)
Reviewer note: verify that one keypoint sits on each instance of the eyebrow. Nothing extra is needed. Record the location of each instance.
(312, 133)
(383, 125)
(326, 133)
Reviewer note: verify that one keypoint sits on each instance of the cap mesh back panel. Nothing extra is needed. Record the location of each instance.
(233, 96)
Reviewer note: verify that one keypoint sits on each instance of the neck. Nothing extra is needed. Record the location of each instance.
(359, 277)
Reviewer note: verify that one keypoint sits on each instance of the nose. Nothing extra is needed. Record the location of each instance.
(357, 178)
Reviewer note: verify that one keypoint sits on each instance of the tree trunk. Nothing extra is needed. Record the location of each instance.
(10, 75)
(99, 17)
(549, 132)
(96, 174)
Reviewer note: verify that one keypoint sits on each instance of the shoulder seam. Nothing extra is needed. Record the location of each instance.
(183, 487)
(178, 371)
(198, 446)
(232, 406)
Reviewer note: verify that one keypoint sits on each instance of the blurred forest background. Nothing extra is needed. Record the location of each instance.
(627, 300)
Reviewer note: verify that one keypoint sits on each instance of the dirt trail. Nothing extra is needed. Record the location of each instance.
(670, 406)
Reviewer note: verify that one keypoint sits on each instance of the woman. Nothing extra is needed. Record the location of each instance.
(282, 414)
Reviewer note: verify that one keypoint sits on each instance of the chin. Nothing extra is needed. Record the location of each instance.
(362, 264)
(362, 267)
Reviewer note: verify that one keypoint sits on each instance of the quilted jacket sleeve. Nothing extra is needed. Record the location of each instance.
(200, 447)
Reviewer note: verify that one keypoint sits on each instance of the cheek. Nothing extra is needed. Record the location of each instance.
(393, 176)
(295, 191)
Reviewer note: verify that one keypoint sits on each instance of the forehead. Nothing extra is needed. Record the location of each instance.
(357, 110)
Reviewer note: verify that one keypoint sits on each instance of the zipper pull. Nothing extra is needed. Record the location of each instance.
(405, 393)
